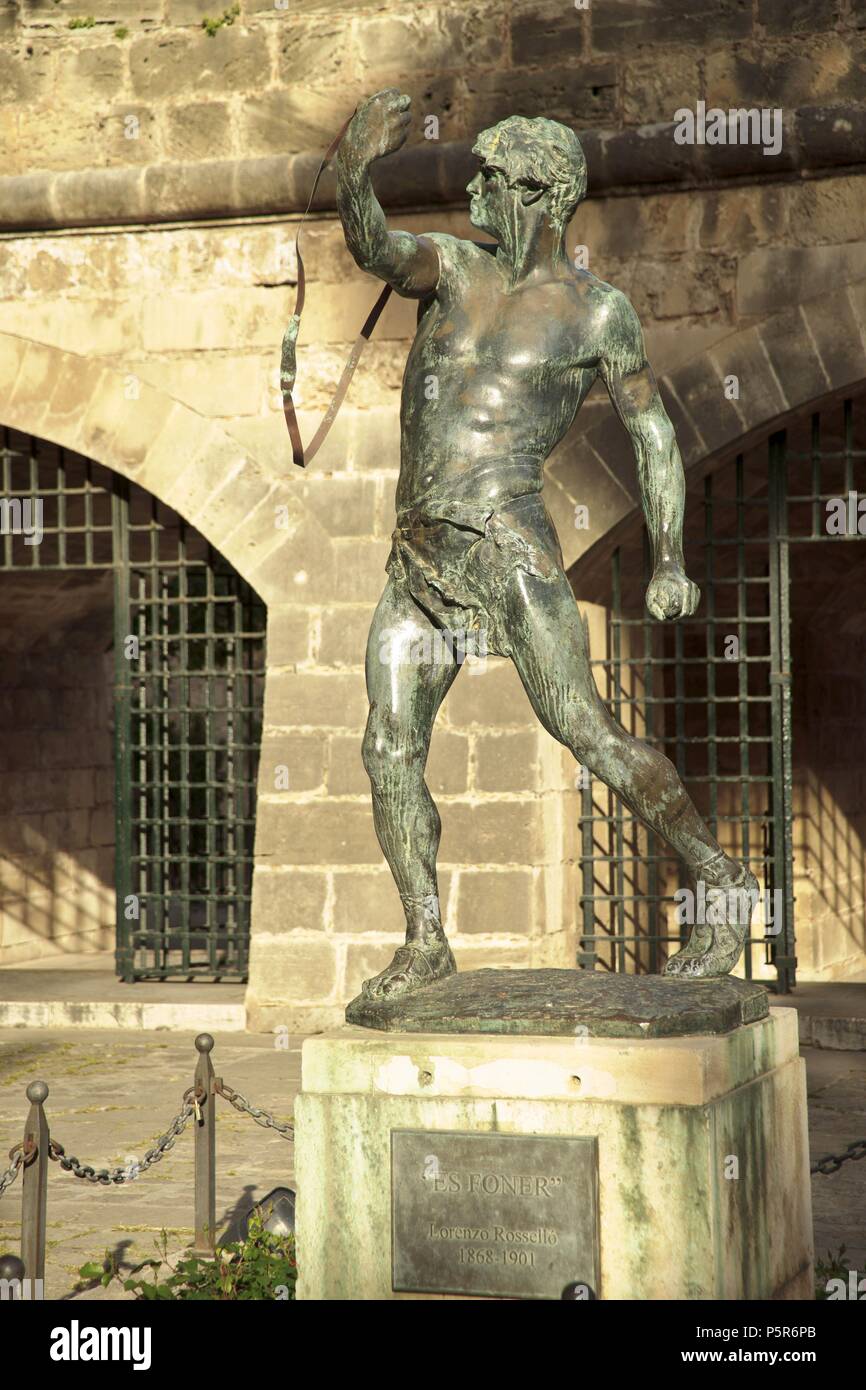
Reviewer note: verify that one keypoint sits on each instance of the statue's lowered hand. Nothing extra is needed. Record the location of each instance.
(671, 594)
(379, 127)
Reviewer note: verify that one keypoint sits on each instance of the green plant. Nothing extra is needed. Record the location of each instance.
(121, 33)
(260, 1267)
(86, 23)
(833, 1267)
(227, 17)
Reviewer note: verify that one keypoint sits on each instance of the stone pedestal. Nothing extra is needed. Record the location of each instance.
(702, 1155)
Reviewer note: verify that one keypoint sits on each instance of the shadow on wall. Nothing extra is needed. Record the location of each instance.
(57, 764)
(828, 601)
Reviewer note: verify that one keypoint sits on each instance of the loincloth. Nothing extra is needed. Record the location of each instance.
(457, 559)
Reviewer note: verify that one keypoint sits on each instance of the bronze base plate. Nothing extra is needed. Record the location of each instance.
(562, 1002)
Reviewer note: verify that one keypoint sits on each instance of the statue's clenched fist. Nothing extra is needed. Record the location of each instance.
(379, 126)
(670, 594)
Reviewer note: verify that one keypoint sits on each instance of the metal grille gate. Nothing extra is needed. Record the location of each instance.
(714, 693)
(189, 640)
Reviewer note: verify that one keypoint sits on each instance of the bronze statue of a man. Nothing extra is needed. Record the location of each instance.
(513, 342)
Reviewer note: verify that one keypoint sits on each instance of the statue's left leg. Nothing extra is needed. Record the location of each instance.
(550, 652)
(409, 671)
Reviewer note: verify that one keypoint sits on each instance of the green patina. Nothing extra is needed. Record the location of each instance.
(631, 1188)
(684, 1131)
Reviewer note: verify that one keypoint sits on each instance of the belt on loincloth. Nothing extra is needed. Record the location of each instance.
(474, 496)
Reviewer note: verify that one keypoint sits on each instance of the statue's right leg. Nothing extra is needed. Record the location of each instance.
(410, 668)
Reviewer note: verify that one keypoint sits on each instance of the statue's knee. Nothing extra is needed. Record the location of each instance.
(584, 753)
(372, 754)
(589, 743)
(386, 755)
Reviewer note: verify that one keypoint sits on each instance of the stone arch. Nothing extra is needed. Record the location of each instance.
(188, 461)
(815, 350)
(228, 491)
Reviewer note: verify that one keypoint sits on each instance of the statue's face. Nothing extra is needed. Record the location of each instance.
(498, 198)
(490, 199)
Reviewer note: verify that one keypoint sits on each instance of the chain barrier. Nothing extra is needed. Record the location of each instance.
(261, 1117)
(38, 1149)
(831, 1163)
(191, 1106)
(17, 1156)
(133, 1169)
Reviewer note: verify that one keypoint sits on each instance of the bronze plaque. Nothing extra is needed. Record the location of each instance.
(501, 1215)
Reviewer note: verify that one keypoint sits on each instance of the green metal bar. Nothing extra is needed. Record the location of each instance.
(587, 959)
(616, 690)
(210, 771)
(744, 731)
(782, 950)
(254, 690)
(35, 559)
(7, 491)
(653, 929)
(848, 432)
(817, 518)
(143, 831)
(124, 954)
(786, 694)
(234, 810)
(172, 791)
(88, 514)
(153, 730)
(679, 725)
(61, 511)
(710, 597)
(184, 752)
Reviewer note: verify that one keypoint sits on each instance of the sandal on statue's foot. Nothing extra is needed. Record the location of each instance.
(718, 947)
(701, 934)
(413, 967)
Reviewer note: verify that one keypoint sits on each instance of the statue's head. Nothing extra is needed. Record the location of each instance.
(526, 162)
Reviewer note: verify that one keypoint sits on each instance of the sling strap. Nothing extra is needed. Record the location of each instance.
(300, 455)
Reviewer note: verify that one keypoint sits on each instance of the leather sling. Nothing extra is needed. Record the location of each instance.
(301, 455)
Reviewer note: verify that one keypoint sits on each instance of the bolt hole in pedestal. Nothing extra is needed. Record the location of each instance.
(425, 1078)
(576, 1083)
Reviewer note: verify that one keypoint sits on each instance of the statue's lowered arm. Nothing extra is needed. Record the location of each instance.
(636, 400)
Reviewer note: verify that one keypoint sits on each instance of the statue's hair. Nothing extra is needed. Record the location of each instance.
(544, 152)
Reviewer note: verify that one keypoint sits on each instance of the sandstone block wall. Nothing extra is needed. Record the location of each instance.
(144, 82)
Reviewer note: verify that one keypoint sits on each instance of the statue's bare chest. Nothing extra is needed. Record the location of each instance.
(483, 327)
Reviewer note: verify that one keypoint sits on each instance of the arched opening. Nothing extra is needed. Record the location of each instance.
(758, 700)
(131, 699)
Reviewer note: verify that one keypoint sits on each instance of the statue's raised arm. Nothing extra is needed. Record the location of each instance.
(408, 263)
